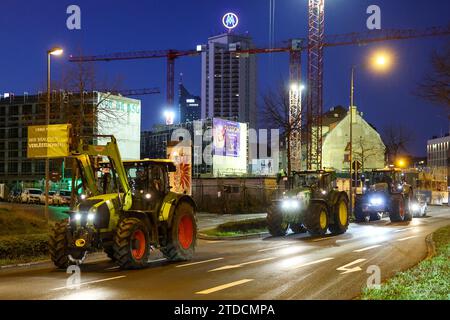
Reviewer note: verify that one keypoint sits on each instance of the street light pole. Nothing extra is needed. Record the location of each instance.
(47, 122)
(54, 52)
(352, 100)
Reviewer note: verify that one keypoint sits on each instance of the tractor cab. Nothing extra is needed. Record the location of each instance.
(391, 180)
(316, 180)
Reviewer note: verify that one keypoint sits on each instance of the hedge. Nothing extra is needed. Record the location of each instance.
(24, 246)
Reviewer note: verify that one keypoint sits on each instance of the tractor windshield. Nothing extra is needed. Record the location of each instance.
(306, 180)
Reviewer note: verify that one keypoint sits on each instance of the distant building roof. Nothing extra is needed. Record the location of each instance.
(334, 115)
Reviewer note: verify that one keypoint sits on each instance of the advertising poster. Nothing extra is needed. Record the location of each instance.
(181, 180)
(50, 141)
(226, 138)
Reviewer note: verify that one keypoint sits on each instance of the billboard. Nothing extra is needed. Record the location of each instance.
(50, 141)
(229, 147)
(121, 117)
(181, 155)
(226, 138)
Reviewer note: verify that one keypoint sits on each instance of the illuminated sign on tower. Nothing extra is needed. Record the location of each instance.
(230, 21)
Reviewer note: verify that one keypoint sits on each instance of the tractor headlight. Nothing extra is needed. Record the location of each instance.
(376, 201)
(415, 207)
(77, 216)
(290, 204)
(399, 187)
(90, 217)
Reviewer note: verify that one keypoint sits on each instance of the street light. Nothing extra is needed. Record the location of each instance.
(169, 116)
(52, 52)
(380, 61)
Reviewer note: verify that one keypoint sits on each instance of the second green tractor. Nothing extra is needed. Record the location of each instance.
(311, 203)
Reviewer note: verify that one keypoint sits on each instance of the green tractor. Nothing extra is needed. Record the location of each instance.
(310, 203)
(385, 191)
(127, 210)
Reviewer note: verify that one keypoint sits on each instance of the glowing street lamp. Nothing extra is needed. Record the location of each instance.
(381, 61)
(169, 116)
(57, 51)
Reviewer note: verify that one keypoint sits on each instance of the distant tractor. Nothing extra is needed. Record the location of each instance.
(310, 203)
(127, 210)
(385, 192)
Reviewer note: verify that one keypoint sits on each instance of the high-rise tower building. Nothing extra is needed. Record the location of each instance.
(229, 79)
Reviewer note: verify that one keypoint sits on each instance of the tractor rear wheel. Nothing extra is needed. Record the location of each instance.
(277, 227)
(397, 210)
(316, 219)
(408, 211)
(340, 215)
(58, 245)
(131, 244)
(182, 236)
(109, 252)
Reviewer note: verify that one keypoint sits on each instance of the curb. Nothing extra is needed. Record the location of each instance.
(94, 256)
(203, 236)
(431, 247)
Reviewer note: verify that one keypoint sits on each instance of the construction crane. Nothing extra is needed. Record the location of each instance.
(170, 55)
(135, 92)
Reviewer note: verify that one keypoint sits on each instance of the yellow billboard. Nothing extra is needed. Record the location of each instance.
(50, 141)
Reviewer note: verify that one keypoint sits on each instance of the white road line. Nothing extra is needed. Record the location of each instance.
(234, 266)
(405, 229)
(85, 283)
(312, 262)
(113, 268)
(403, 239)
(213, 241)
(274, 248)
(224, 286)
(198, 262)
(367, 248)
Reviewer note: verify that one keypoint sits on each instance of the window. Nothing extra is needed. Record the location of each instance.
(13, 167)
(26, 167)
(13, 110)
(13, 133)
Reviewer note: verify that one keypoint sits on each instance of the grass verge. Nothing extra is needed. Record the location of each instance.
(237, 228)
(429, 280)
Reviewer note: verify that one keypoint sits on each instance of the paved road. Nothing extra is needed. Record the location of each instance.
(292, 267)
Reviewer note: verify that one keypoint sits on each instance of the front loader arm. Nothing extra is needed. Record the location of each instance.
(110, 150)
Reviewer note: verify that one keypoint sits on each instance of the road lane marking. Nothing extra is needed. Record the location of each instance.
(407, 238)
(367, 248)
(274, 248)
(213, 241)
(85, 283)
(405, 229)
(346, 267)
(198, 262)
(312, 262)
(224, 286)
(113, 268)
(234, 266)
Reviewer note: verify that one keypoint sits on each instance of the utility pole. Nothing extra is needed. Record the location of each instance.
(352, 100)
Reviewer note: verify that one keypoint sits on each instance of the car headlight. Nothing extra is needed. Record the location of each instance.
(376, 201)
(415, 207)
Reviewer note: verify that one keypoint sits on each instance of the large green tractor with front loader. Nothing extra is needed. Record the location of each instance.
(311, 203)
(126, 209)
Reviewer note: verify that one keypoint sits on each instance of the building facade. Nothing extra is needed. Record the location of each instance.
(229, 79)
(92, 113)
(368, 147)
(189, 105)
(438, 158)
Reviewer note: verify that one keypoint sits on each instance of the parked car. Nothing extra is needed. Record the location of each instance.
(32, 195)
(61, 197)
(15, 196)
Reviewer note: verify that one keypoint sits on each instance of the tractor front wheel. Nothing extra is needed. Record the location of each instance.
(131, 244)
(58, 245)
(182, 236)
(316, 219)
(397, 210)
(277, 227)
(340, 215)
(297, 228)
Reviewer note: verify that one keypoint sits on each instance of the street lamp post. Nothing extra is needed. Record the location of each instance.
(53, 52)
(381, 61)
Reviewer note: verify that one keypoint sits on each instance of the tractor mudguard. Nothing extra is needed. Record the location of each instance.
(170, 203)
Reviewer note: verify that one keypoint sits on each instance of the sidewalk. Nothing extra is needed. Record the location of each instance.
(211, 220)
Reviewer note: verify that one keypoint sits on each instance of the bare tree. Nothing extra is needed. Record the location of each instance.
(397, 139)
(436, 85)
(276, 115)
(364, 151)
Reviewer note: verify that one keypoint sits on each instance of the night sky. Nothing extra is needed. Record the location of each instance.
(29, 28)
